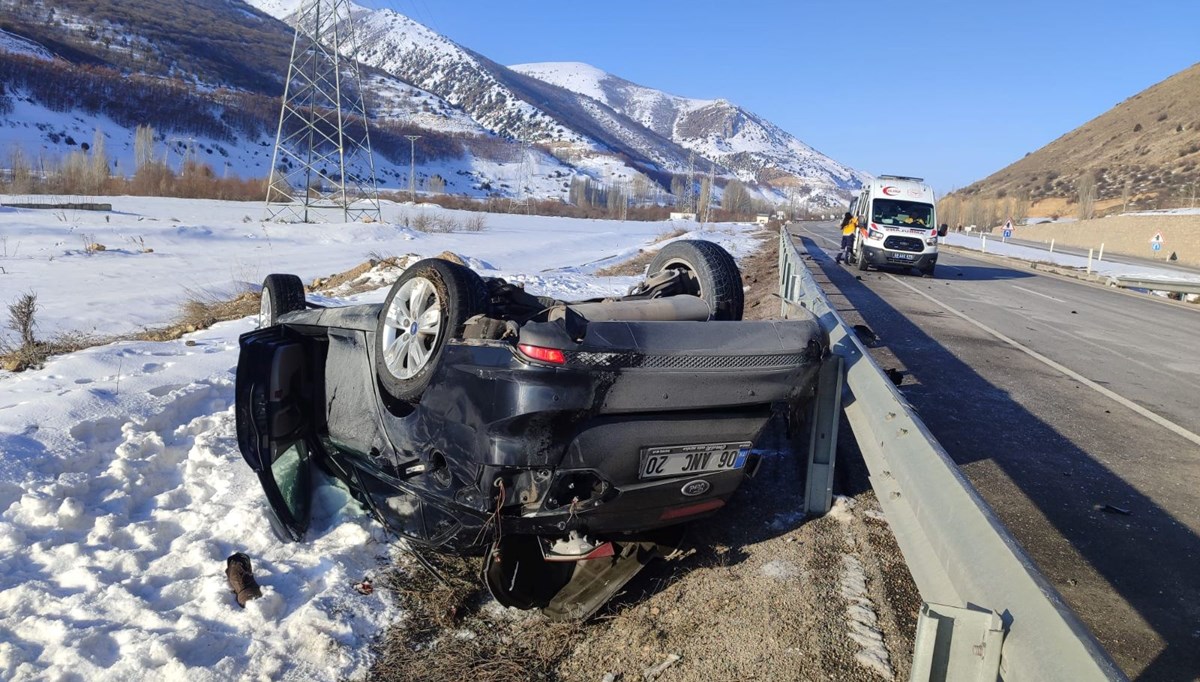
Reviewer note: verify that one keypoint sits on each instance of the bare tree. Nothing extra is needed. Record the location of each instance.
(1087, 195)
(705, 197)
(143, 146)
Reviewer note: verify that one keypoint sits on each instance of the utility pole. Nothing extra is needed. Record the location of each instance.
(322, 160)
(412, 166)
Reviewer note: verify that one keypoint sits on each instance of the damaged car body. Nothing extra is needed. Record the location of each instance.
(566, 442)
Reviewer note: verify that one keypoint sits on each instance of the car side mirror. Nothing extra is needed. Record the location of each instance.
(943, 229)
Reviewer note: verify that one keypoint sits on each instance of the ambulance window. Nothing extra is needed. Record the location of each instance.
(907, 213)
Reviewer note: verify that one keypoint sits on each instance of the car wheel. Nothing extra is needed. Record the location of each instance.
(709, 272)
(928, 271)
(280, 294)
(429, 304)
(863, 263)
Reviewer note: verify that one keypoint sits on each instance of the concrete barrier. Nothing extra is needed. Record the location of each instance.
(1129, 235)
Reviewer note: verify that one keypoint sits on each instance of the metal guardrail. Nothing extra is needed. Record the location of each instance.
(988, 612)
(1155, 284)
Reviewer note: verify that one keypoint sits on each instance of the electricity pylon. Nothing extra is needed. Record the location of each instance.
(322, 163)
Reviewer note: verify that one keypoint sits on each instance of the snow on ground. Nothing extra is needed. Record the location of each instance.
(224, 247)
(861, 617)
(1167, 211)
(122, 490)
(22, 46)
(996, 246)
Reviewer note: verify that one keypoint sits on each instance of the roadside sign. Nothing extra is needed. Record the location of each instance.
(1156, 246)
(1157, 238)
(1008, 225)
(1007, 233)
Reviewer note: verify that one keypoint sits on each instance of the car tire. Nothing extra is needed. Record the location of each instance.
(409, 340)
(280, 294)
(711, 273)
(863, 263)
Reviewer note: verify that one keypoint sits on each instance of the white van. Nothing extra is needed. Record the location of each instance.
(897, 225)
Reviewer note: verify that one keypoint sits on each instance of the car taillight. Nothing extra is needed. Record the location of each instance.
(553, 356)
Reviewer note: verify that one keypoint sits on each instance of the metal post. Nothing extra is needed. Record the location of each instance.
(822, 445)
(412, 166)
(983, 243)
(1089, 267)
(1051, 246)
(1101, 256)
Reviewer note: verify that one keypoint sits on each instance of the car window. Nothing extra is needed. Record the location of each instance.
(904, 213)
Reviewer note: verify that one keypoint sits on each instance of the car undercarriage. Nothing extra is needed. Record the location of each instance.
(565, 442)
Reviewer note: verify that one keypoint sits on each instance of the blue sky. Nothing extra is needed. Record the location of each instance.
(951, 91)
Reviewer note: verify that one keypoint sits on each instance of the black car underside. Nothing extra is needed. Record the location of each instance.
(566, 450)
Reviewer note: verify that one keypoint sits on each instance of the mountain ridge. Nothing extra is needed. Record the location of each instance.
(1147, 146)
(486, 129)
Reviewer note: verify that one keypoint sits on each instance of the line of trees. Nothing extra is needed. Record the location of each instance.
(982, 212)
(87, 171)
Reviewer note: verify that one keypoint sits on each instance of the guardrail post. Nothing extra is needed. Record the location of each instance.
(954, 643)
(822, 444)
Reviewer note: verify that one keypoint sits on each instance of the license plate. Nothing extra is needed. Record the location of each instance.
(682, 460)
(902, 256)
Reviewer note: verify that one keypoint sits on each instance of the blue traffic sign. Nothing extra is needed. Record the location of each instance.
(1007, 234)
(1156, 246)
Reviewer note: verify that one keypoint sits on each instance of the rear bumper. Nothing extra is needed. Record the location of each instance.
(542, 448)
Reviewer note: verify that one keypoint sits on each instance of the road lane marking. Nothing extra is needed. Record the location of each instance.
(821, 236)
(1037, 293)
(1121, 400)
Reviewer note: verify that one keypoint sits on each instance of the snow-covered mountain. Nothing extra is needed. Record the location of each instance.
(208, 77)
(719, 130)
(502, 101)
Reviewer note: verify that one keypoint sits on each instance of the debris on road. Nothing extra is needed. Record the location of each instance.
(866, 334)
(895, 375)
(1114, 510)
(654, 671)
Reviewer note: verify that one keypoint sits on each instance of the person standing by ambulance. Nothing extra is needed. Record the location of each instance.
(849, 225)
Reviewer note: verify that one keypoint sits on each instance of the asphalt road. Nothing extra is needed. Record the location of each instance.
(1072, 408)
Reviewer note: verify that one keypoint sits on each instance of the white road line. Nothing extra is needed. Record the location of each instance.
(1037, 293)
(1157, 419)
(821, 236)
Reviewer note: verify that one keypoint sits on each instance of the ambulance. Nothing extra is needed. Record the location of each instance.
(897, 226)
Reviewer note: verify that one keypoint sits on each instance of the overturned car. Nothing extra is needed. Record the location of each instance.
(566, 442)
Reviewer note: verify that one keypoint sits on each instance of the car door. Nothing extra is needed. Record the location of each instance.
(275, 423)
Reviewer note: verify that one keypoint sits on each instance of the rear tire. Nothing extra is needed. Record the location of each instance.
(428, 305)
(280, 294)
(709, 272)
